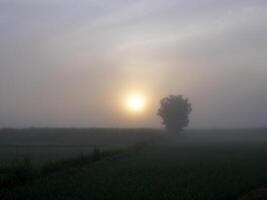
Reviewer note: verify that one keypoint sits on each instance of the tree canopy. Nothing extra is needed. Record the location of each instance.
(174, 111)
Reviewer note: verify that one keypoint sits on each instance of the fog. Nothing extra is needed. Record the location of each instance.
(66, 63)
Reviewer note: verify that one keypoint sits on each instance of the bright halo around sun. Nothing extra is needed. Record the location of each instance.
(136, 103)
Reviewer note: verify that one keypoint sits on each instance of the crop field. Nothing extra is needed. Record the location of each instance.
(199, 164)
(41, 145)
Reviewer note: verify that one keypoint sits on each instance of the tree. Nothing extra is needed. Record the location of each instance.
(174, 111)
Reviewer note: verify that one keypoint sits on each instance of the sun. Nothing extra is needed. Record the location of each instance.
(136, 103)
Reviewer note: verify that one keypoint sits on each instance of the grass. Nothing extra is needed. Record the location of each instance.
(23, 171)
(184, 168)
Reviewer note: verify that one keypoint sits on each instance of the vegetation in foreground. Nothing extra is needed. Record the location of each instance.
(24, 171)
(221, 168)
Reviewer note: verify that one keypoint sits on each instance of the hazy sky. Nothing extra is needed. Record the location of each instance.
(69, 62)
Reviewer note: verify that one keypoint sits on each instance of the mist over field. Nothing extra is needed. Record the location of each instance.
(123, 99)
(133, 164)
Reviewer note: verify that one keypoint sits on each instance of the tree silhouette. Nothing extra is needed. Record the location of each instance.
(174, 111)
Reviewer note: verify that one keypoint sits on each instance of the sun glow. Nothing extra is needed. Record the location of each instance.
(135, 103)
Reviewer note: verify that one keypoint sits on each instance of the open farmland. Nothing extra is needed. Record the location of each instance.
(219, 165)
(41, 145)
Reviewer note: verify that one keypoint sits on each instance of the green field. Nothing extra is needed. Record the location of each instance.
(199, 164)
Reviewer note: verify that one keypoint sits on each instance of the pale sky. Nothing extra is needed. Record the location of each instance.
(68, 63)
